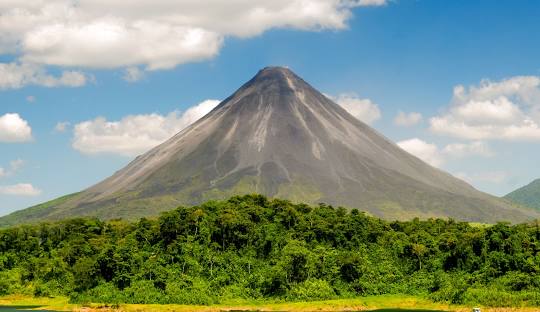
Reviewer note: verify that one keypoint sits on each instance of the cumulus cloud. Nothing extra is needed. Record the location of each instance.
(407, 119)
(21, 189)
(156, 35)
(17, 75)
(14, 129)
(460, 150)
(503, 110)
(134, 134)
(435, 156)
(363, 109)
(425, 151)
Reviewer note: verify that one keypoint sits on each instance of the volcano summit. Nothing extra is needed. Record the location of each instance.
(280, 137)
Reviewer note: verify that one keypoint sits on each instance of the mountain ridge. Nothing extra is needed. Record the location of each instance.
(528, 195)
(278, 136)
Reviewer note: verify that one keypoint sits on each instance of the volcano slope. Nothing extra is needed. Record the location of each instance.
(280, 137)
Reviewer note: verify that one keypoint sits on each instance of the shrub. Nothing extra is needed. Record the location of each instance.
(311, 289)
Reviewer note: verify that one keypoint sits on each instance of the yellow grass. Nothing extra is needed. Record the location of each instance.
(357, 304)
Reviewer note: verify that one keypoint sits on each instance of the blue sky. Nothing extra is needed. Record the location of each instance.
(375, 57)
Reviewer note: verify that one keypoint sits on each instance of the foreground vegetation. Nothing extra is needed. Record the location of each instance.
(251, 249)
(357, 304)
(389, 303)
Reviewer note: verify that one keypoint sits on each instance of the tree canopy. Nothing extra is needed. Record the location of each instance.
(255, 248)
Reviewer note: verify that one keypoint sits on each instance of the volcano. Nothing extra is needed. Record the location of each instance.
(280, 137)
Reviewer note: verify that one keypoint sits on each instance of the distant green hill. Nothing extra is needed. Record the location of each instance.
(528, 195)
(33, 214)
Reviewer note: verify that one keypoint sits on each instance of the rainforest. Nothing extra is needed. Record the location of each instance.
(255, 248)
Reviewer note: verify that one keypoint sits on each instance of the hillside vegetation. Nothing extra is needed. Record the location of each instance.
(33, 213)
(253, 248)
(528, 195)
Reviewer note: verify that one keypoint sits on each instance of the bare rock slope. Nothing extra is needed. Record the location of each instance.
(278, 136)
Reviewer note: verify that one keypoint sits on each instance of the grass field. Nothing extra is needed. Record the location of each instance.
(393, 303)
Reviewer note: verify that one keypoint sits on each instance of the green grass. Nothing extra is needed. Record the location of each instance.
(386, 302)
(41, 303)
(383, 303)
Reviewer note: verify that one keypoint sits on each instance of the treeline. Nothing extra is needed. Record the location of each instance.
(254, 248)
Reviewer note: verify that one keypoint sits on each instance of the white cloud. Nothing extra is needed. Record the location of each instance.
(363, 109)
(425, 151)
(407, 119)
(17, 75)
(157, 35)
(370, 2)
(460, 150)
(62, 126)
(497, 111)
(109, 43)
(504, 110)
(437, 157)
(21, 189)
(14, 129)
(133, 74)
(134, 134)
(71, 79)
(14, 166)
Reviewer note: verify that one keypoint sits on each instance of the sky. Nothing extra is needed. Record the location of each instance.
(87, 85)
